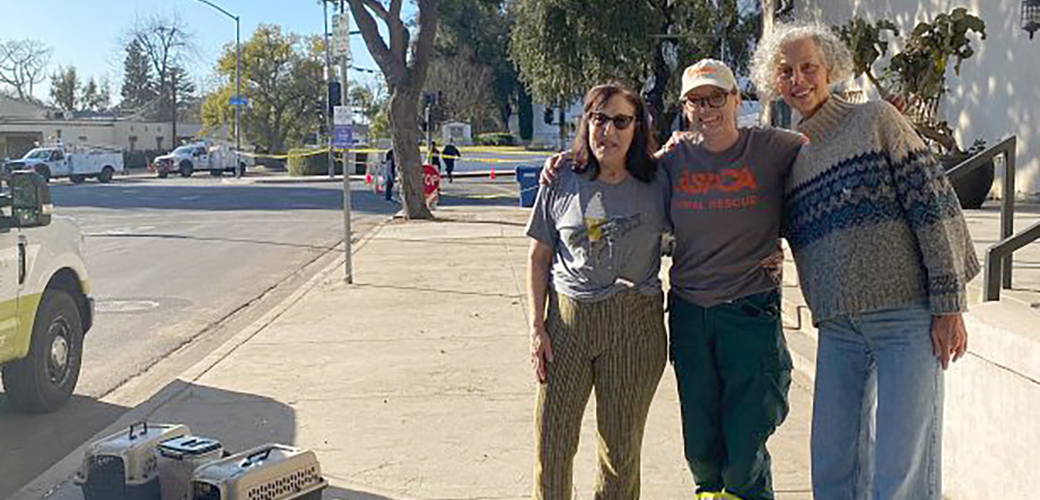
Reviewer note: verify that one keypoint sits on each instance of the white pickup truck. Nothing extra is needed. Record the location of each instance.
(54, 161)
(191, 158)
(45, 304)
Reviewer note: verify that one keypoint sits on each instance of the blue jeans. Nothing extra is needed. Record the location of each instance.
(877, 411)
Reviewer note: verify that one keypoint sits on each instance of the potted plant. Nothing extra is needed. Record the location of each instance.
(915, 82)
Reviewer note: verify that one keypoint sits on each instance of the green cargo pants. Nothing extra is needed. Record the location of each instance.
(734, 372)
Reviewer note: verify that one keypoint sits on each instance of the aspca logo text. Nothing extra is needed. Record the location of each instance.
(727, 180)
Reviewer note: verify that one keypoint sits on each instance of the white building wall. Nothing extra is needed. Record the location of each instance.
(998, 92)
(114, 134)
(548, 135)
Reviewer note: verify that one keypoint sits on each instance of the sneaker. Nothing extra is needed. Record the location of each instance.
(708, 495)
(727, 496)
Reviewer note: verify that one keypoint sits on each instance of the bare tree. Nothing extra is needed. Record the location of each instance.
(23, 64)
(404, 66)
(467, 90)
(167, 44)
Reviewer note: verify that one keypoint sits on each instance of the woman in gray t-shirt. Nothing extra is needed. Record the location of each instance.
(595, 255)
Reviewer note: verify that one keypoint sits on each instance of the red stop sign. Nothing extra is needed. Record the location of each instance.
(431, 179)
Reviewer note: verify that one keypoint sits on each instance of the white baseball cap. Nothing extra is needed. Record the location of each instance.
(708, 72)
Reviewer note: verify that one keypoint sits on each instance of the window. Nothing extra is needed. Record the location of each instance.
(83, 138)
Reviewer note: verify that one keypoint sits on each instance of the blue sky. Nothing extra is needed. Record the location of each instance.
(87, 33)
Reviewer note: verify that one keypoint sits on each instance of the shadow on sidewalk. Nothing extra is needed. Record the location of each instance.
(238, 420)
(463, 200)
(334, 493)
(31, 443)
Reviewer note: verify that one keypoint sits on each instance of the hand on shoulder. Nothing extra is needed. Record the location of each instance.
(673, 142)
(552, 166)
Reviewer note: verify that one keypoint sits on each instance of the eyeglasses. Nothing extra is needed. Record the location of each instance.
(714, 100)
(621, 122)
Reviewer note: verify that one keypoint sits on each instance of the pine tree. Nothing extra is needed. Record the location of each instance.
(65, 88)
(185, 91)
(95, 96)
(139, 89)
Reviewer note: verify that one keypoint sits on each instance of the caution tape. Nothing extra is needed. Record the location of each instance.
(315, 152)
(323, 151)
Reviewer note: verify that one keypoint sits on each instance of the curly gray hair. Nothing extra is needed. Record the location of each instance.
(766, 60)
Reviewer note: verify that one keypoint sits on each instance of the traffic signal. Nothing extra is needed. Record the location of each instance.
(429, 99)
(335, 96)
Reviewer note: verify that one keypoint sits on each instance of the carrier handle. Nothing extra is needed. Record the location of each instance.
(144, 424)
(250, 459)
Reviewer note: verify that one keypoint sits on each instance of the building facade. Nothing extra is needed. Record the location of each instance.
(23, 125)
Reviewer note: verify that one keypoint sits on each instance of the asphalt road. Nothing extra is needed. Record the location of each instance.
(172, 262)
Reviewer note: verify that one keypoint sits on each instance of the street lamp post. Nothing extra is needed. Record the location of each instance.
(238, 86)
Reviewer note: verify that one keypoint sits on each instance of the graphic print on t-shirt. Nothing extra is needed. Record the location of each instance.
(599, 232)
(594, 216)
(728, 189)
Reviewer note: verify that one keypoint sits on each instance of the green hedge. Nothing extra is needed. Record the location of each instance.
(140, 158)
(318, 164)
(312, 164)
(496, 139)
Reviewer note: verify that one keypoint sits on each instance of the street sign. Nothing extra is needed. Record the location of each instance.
(431, 185)
(342, 136)
(342, 127)
(341, 35)
(341, 115)
(238, 100)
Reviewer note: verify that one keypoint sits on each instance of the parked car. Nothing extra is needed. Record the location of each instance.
(45, 304)
(190, 158)
(55, 161)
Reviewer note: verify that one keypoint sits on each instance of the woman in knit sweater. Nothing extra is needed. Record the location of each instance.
(883, 256)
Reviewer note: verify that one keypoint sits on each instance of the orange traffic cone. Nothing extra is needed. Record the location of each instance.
(492, 171)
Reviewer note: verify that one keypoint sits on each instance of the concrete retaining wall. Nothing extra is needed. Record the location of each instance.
(991, 444)
(991, 440)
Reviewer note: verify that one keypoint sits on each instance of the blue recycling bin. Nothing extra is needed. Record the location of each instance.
(527, 177)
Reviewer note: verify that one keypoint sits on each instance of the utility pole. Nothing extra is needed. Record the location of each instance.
(238, 109)
(348, 268)
(238, 89)
(173, 104)
(328, 93)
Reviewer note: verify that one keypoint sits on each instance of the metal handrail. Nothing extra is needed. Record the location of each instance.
(998, 260)
(998, 257)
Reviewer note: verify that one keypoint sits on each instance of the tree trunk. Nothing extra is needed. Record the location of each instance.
(404, 126)
(655, 95)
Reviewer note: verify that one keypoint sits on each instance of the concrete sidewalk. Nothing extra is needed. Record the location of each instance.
(414, 382)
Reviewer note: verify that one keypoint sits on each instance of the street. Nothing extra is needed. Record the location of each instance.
(175, 262)
(480, 160)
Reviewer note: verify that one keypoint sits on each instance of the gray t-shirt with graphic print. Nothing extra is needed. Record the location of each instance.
(725, 209)
(606, 238)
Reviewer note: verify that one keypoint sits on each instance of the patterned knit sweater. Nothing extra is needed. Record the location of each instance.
(871, 218)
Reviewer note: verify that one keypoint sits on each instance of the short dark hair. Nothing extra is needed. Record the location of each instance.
(639, 161)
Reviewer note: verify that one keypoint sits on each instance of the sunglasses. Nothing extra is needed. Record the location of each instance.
(714, 100)
(621, 122)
